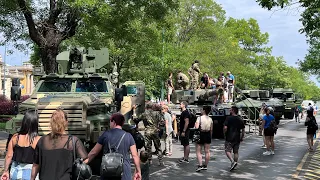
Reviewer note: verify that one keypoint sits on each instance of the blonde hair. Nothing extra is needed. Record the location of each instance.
(58, 122)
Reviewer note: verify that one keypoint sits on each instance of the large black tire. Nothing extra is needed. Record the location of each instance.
(277, 118)
(291, 115)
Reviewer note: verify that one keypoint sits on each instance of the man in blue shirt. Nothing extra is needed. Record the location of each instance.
(231, 82)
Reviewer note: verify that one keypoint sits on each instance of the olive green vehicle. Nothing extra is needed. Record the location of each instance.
(288, 99)
(84, 90)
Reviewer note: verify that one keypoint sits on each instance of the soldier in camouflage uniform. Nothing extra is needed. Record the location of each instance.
(190, 72)
(151, 120)
(182, 81)
(195, 73)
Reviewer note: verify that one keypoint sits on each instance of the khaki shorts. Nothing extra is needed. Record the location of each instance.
(169, 90)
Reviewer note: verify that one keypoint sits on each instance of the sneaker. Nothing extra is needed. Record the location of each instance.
(199, 168)
(263, 147)
(204, 167)
(233, 165)
(267, 153)
(183, 160)
(272, 152)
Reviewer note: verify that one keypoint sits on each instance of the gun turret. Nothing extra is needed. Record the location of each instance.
(82, 61)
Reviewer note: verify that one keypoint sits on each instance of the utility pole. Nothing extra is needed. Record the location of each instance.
(162, 82)
(4, 69)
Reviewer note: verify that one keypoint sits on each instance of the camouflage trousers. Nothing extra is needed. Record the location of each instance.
(194, 84)
(149, 137)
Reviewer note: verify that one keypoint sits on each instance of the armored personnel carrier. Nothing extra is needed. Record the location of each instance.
(84, 90)
(288, 99)
(198, 98)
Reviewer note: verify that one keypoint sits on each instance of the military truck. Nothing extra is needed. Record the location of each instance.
(287, 97)
(84, 90)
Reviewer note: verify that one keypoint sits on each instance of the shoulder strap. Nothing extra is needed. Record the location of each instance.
(74, 148)
(121, 140)
(200, 124)
(118, 143)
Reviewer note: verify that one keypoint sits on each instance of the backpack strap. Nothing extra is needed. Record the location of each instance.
(74, 148)
(121, 140)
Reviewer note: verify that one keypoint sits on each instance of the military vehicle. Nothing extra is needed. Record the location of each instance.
(85, 91)
(252, 100)
(198, 98)
(288, 99)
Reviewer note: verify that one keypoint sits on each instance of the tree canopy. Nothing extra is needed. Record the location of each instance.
(148, 40)
(310, 18)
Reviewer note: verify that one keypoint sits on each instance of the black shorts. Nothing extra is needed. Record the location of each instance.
(185, 140)
(268, 132)
(232, 146)
(311, 131)
(205, 138)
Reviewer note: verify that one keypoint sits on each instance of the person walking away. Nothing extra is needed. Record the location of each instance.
(54, 156)
(268, 132)
(124, 143)
(296, 114)
(170, 88)
(21, 149)
(206, 125)
(312, 127)
(151, 120)
(233, 127)
(168, 131)
(184, 131)
(145, 166)
(231, 82)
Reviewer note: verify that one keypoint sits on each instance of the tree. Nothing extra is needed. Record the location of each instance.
(48, 24)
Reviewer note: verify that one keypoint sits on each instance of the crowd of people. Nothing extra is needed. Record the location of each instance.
(224, 83)
(55, 155)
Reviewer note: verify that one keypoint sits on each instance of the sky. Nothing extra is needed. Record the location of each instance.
(281, 25)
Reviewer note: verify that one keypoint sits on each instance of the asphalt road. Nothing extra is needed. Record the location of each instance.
(290, 148)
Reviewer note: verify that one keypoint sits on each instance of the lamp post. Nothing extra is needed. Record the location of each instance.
(4, 69)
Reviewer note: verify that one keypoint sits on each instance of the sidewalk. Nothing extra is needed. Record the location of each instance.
(309, 167)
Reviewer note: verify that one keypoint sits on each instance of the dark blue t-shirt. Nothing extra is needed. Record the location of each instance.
(267, 120)
(113, 136)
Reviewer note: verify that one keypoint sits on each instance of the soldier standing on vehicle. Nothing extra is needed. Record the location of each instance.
(196, 72)
(170, 88)
(190, 72)
(182, 81)
(151, 120)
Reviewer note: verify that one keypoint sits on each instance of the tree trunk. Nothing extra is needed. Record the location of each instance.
(48, 55)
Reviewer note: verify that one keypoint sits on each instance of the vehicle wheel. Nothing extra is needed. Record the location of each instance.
(286, 115)
(291, 115)
(277, 118)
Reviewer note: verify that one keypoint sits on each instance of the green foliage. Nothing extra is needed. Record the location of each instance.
(310, 19)
(146, 44)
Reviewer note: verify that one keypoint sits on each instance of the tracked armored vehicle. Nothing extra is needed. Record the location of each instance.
(84, 90)
(288, 99)
(198, 98)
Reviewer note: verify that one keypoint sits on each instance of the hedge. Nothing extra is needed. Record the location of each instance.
(7, 106)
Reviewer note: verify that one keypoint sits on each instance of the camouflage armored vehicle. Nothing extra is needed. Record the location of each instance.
(196, 99)
(287, 98)
(84, 90)
(253, 99)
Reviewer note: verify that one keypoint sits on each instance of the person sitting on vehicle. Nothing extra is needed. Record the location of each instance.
(21, 149)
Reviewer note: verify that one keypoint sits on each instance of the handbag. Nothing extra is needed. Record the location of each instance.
(112, 162)
(196, 135)
(80, 170)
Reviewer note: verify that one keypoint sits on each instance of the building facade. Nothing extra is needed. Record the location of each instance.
(24, 73)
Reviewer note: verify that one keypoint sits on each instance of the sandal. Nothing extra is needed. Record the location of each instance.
(169, 154)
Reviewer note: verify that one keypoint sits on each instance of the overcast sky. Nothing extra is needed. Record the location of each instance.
(282, 26)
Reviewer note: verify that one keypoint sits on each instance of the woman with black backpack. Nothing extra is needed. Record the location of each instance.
(312, 127)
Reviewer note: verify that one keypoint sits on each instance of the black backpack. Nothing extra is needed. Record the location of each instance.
(273, 126)
(112, 162)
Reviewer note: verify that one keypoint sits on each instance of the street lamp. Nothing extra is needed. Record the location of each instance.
(4, 69)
